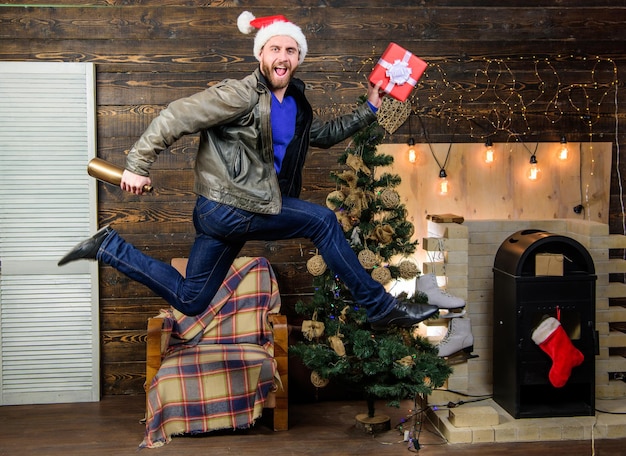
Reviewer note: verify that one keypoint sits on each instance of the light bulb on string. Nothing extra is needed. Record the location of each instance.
(534, 172)
(412, 153)
(563, 150)
(443, 184)
(489, 154)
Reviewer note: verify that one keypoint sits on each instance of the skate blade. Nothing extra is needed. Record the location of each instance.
(453, 313)
(460, 357)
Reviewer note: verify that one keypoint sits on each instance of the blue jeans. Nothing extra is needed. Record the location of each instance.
(221, 232)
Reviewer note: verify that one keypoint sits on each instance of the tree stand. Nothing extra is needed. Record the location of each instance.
(372, 423)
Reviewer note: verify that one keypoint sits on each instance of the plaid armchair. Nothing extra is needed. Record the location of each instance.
(220, 369)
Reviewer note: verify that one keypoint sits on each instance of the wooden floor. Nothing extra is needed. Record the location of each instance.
(111, 427)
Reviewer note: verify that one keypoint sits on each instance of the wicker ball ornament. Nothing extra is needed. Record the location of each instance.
(367, 258)
(318, 381)
(381, 275)
(407, 270)
(337, 195)
(389, 198)
(316, 265)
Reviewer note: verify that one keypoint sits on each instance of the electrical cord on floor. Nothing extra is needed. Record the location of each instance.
(451, 405)
(462, 394)
(414, 443)
(412, 427)
(610, 413)
(413, 431)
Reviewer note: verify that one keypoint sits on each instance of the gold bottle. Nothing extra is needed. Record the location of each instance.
(108, 172)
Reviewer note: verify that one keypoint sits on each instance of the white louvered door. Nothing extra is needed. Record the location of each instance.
(49, 332)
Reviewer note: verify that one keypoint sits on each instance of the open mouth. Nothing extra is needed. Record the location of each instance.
(280, 71)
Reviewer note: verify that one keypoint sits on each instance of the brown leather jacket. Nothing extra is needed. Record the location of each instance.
(235, 159)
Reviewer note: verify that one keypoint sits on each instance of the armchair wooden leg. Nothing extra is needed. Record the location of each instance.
(281, 348)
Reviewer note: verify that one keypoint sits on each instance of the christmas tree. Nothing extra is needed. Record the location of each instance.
(338, 343)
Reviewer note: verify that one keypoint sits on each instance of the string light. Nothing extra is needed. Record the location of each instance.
(496, 83)
(443, 185)
(563, 151)
(534, 172)
(412, 153)
(489, 154)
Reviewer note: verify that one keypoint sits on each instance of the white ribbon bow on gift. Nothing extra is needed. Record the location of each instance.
(398, 72)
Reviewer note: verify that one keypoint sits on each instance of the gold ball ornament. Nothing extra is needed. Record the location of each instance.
(316, 265)
(381, 275)
(407, 270)
(318, 381)
(367, 258)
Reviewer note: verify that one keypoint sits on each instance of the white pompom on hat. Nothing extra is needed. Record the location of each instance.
(268, 27)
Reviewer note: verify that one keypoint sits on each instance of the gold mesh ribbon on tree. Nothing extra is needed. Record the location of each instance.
(349, 177)
(347, 222)
(312, 329)
(356, 163)
(383, 234)
(336, 342)
(356, 201)
(407, 361)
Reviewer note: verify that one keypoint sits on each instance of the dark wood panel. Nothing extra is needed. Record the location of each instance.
(123, 378)
(180, 23)
(357, 56)
(125, 314)
(123, 346)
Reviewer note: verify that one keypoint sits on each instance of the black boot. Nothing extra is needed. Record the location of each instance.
(88, 248)
(405, 315)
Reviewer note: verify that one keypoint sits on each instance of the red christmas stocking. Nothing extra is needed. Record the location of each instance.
(552, 339)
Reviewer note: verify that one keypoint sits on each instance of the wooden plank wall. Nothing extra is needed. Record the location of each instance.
(149, 52)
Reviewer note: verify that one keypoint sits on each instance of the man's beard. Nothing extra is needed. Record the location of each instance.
(273, 81)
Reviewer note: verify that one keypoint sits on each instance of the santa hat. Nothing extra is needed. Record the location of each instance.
(268, 27)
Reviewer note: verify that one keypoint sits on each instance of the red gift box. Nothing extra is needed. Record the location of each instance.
(399, 69)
